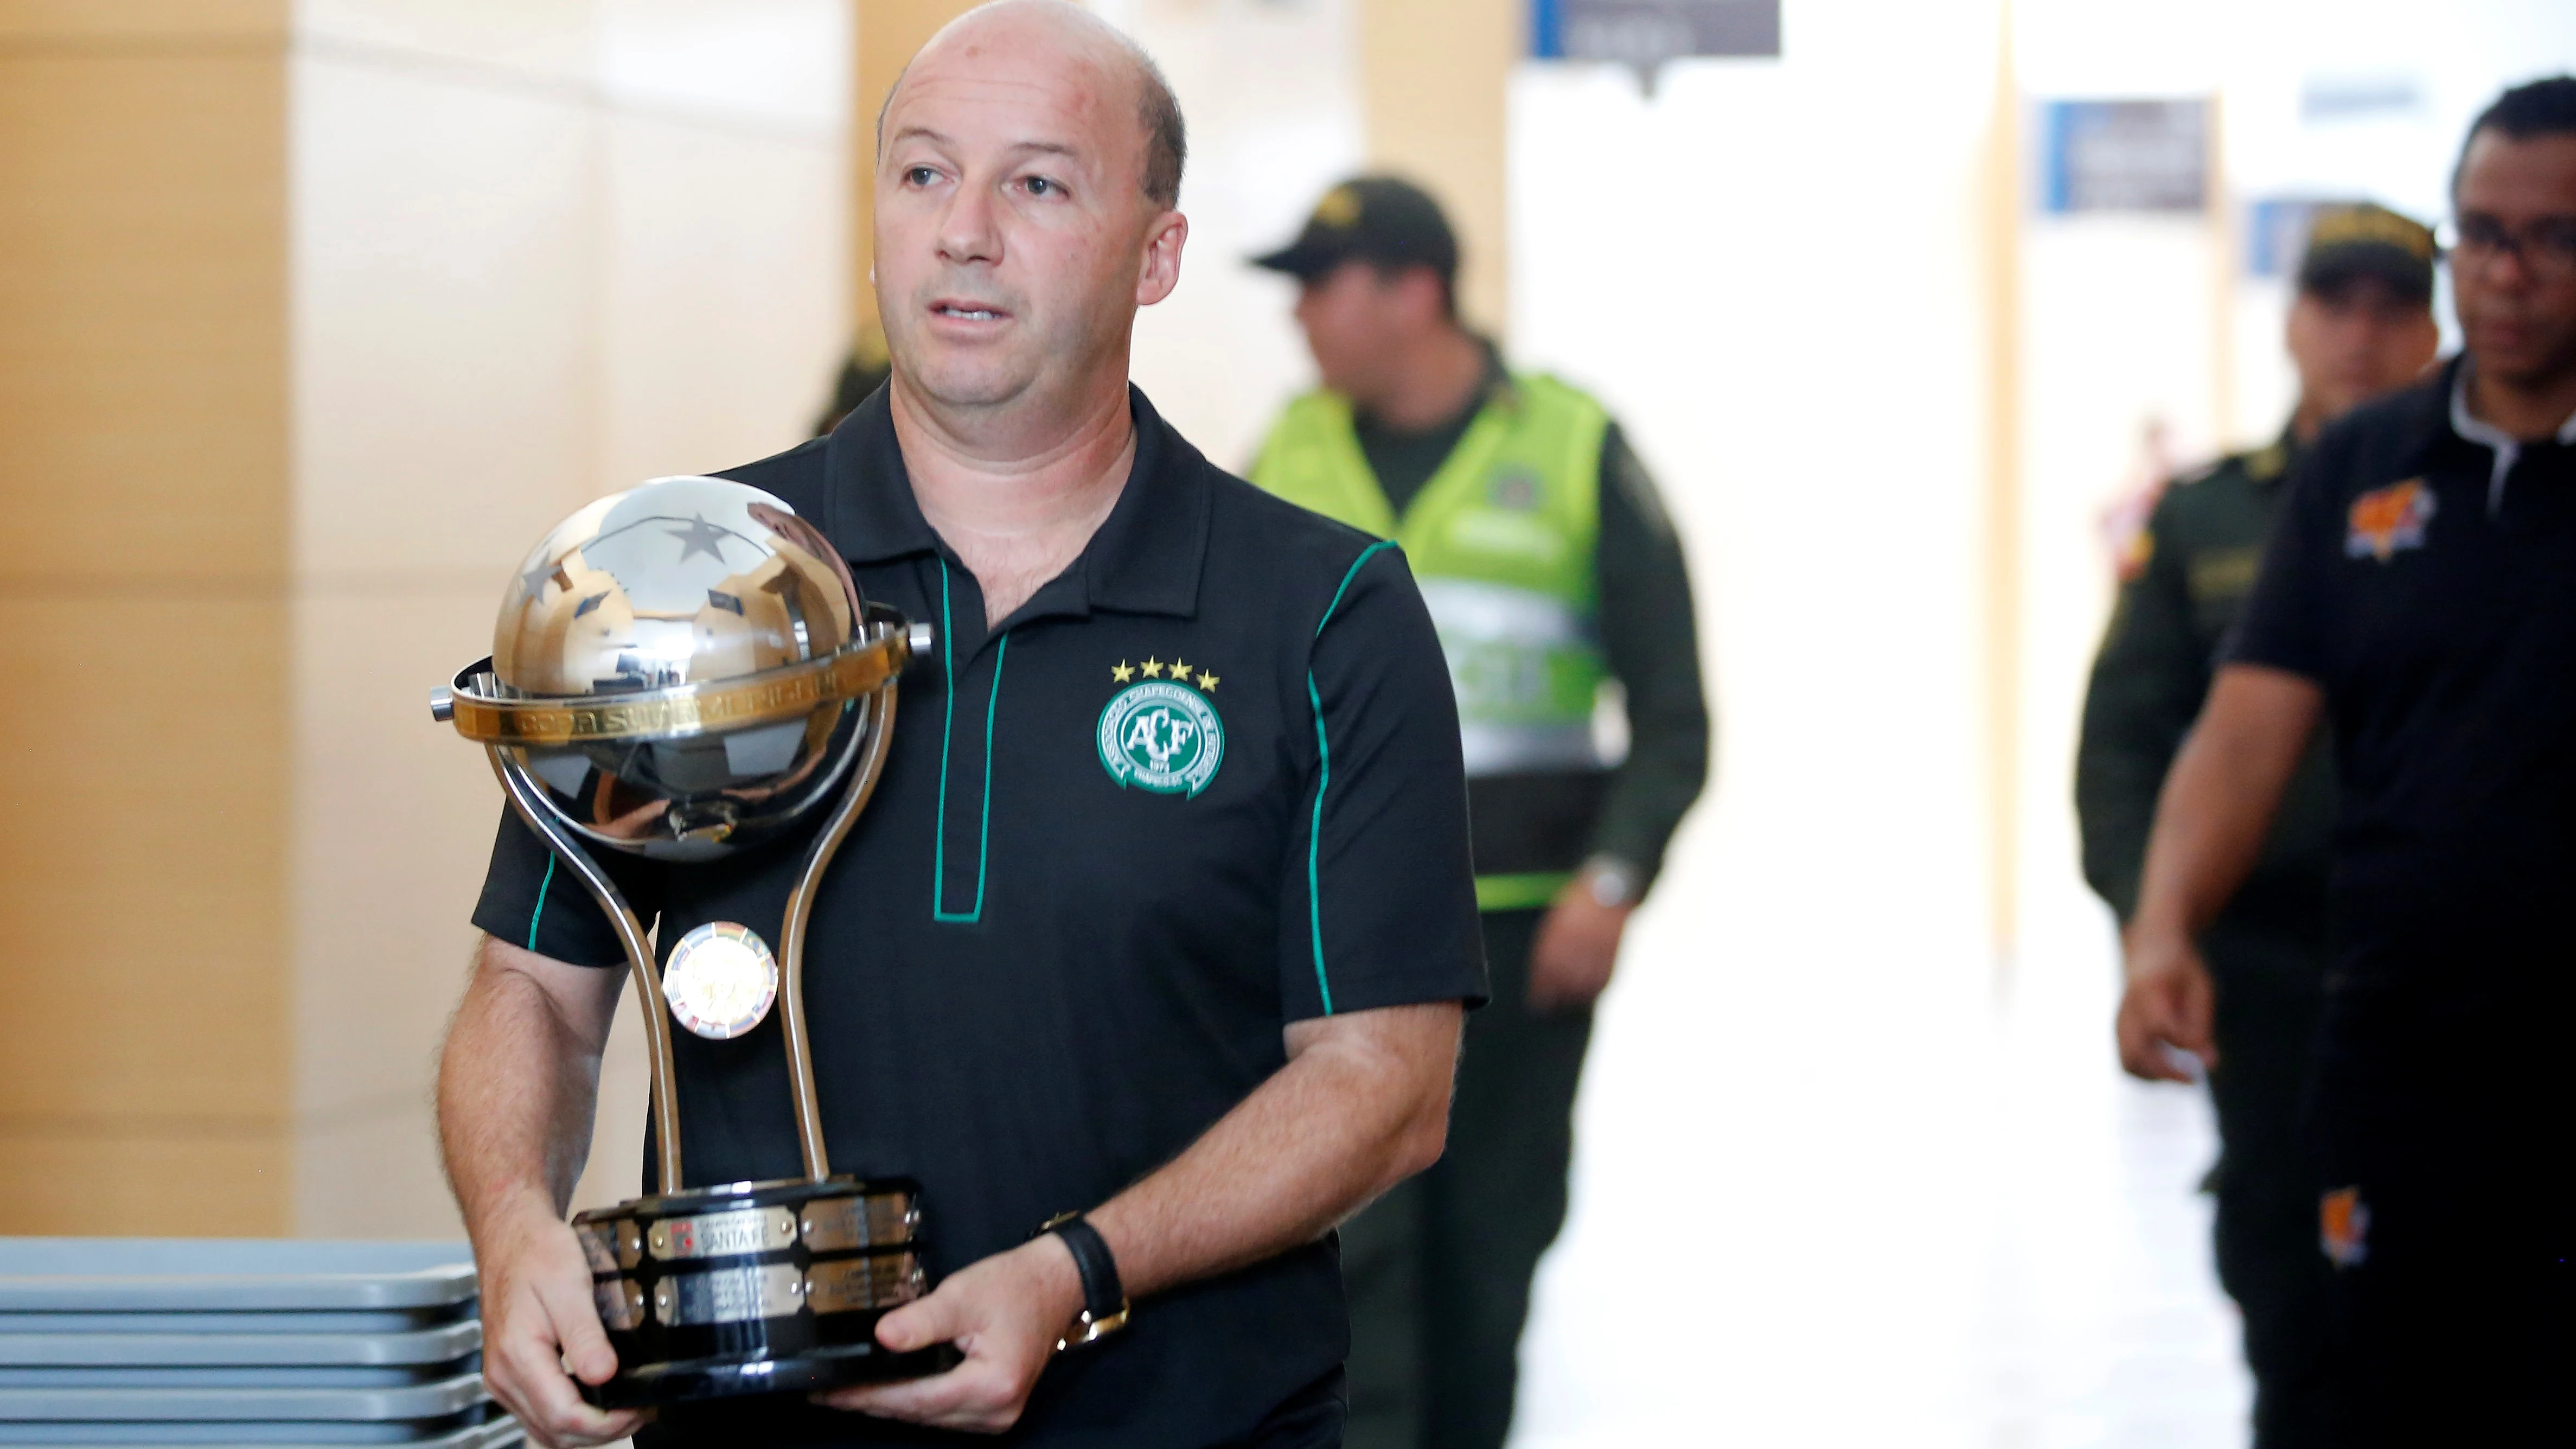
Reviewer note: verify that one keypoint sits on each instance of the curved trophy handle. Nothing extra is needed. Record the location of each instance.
(878, 730)
(528, 798)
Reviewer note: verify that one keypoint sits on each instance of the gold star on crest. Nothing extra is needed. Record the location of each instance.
(1180, 671)
(1121, 672)
(1207, 681)
(1153, 669)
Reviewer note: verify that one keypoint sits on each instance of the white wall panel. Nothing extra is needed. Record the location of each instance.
(447, 325)
(1271, 95)
(724, 322)
(547, 38)
(540, 251)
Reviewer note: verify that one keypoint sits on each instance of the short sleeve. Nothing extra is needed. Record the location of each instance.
(534, 900)
(2284, 624)
(1379, 899)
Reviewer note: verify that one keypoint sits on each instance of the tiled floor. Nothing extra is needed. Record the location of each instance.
(1836, 1190)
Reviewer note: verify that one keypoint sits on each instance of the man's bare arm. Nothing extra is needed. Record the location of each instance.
(518, 1083)
(1362, 1104)
(2212, 818)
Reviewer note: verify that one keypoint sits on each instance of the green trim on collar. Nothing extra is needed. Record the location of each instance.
(984, 830)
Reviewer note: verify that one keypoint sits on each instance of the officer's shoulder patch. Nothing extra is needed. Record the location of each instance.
(2222, 573)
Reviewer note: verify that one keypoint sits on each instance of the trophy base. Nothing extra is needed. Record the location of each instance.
(755, 1288)
(805, 1373)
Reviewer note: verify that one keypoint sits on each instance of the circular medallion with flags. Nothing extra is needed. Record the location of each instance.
(720, 980)
(1161, 737)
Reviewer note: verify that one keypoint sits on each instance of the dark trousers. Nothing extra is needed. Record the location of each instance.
(2271, 996)
(2455, 1308)
(1439, 1269)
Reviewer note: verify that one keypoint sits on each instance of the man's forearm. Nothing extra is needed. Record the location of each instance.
(518, 1082)
(1359, 1108)
(2217, 805)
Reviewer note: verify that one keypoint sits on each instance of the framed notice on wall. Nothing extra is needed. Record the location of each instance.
(1647, 33)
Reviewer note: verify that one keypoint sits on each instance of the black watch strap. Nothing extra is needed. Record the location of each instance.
(1104, 1301)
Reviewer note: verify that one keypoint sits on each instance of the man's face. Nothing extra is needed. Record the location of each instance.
(1358, 319)
(2517, 302)
(1345, 327)
(1014, 241)
(2357, 341)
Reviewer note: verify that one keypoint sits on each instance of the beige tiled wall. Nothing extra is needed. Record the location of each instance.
(313, 316)
(143, 502)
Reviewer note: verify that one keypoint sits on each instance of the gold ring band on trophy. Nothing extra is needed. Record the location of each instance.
(773, 695)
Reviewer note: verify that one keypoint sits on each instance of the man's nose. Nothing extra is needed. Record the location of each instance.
(967, 228)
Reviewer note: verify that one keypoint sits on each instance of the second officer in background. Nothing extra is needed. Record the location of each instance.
(1552, 571)
(2361, 325)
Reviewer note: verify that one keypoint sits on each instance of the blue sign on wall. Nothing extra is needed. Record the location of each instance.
(1647, 33)
(2124, 156)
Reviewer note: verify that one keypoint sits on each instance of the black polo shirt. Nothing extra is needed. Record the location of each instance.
(2427, 581)
(1066, 935)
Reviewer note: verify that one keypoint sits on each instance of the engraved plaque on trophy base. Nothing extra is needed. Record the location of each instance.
(754, 1288)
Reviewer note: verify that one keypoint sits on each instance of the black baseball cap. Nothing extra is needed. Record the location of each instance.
(2346, 243)
(1380, 219)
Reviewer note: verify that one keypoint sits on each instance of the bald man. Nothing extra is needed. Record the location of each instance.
(1148, 957)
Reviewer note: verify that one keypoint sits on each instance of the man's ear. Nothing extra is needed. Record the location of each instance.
(1158, 271)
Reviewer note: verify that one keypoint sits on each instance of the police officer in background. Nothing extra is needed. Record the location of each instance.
(1552, 571)
(2361, 325)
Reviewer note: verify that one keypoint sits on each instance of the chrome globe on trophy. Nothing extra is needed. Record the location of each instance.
(682, 671)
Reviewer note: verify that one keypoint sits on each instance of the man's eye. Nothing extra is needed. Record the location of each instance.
(1041, 186)
(919, 176)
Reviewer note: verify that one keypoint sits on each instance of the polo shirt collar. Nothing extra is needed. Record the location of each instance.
(2506, 447)
(1145, 558)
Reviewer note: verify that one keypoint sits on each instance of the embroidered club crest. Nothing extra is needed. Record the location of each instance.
(2385, 520)
(1162, 737)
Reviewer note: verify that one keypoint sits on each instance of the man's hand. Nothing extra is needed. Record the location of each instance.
(1576, 950)
(2168, 1008)
(539, 1322)
(2211, 818)
(1005, 1313)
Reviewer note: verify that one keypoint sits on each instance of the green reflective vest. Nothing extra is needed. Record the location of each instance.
(1502, 541)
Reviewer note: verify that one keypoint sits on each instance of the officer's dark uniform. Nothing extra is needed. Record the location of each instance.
(2267, 950)
(1440, 1270)
(1067, 934)
(2424, 576)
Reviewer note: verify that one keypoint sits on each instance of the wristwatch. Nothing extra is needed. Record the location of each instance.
(1104, 1301)
(1612, 881)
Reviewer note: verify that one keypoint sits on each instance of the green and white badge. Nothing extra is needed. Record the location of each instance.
(1162, 737)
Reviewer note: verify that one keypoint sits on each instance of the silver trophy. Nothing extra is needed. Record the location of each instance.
(682, 671)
